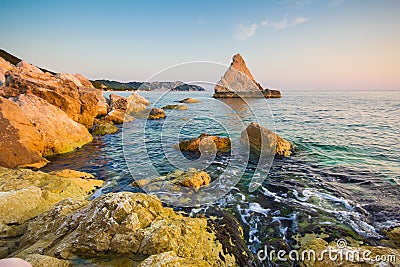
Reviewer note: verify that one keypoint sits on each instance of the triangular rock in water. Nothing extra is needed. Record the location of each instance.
(239, 82)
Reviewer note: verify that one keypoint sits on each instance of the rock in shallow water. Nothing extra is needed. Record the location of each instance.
(177, 107)
(103, 127)
(190, 100)
(206, 142)
(261, 139)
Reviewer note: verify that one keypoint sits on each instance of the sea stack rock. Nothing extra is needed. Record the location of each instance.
(239, 82)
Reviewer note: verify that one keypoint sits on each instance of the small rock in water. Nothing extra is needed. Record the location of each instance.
(151, 114)
(103, 127)
(206, 142)
(190, 100)
(177, 107)
(266, 141)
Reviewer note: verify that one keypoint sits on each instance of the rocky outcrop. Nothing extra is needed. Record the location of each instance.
(177, 107)
(274, 94)
(60, 134)
(124, 109)
(26, 194)
(126, 225)
(189, 100)
(261, 139)
(80, 103)
(238, 82)
(21, 144)
(78, 79)
(206, 142)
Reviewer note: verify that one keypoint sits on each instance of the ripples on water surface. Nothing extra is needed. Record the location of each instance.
(343, 178)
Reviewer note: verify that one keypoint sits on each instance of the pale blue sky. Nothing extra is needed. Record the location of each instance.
(288, 44)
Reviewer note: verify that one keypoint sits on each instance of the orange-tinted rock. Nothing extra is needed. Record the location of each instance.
(118, 116)
(123, 109)
(261, 139)
(191, 178)
(20, 142)
(59, 132)
(206, 142)
(4, 67)
(190, 100)
(80, 103)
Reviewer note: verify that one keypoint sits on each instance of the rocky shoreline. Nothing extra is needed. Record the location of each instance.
(49, 219)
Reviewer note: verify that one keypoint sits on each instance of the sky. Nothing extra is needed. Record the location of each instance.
(287, 44)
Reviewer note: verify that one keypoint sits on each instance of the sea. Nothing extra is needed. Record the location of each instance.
(342, 180)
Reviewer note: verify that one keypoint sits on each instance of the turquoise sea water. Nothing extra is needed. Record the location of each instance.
(343, 179)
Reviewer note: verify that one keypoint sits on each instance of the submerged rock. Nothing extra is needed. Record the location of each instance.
(124, 224)
(190, 100)
(239, 82)
(206, 142)
(177, 107)
(261, 139)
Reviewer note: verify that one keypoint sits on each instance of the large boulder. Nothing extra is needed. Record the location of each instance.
(123, 224)
(206, 142)
(82, 104)
(261, 139)
(78, 79)
(29, 67)
(239, 82)
(21, 144)
(59, 132)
